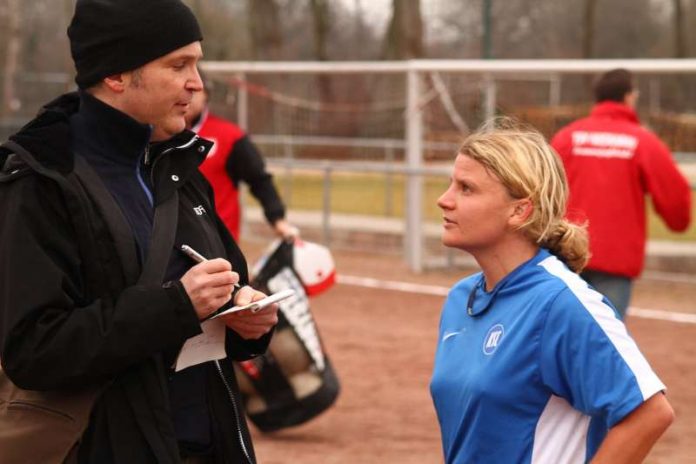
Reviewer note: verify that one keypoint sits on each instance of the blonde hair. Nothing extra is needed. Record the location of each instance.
(528, 168)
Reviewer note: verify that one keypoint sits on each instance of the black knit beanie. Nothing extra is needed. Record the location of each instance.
(112, 36)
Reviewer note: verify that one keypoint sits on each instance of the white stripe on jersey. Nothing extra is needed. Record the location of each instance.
(561, 434)
(615, 330)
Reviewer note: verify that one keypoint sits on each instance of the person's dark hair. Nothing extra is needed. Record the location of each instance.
(613, 85)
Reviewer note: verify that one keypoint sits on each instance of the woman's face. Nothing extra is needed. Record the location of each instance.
(476, 208)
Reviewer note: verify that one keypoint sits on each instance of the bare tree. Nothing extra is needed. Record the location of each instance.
(404, 39)
(679, 32)
(265, 29)
(588, 36)
(9, 97)
(321, 18)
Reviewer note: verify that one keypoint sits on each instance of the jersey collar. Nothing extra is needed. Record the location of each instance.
(480, 300)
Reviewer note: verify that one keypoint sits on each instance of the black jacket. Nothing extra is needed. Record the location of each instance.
(71, 314)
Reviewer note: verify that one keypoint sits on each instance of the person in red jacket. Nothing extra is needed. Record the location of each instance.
(612, 164)
(234, 159)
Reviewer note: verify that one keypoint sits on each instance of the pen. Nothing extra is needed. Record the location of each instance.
(197, 257)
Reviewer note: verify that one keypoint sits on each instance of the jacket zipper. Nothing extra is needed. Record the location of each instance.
(236, 412)
(237, 418)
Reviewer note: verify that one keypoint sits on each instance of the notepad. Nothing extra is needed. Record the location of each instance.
(260, 304)
(207, 346)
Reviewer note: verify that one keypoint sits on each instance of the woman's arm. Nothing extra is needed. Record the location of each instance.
(630, 440)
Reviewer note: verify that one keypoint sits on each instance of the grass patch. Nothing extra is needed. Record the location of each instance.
(369, 194)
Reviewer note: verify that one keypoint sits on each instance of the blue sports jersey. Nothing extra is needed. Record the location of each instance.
(536, 370)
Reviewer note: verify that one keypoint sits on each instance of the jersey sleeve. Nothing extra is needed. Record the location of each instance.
(245, 164)
(588, 358)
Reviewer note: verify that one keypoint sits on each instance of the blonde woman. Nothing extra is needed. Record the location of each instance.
(532, 364)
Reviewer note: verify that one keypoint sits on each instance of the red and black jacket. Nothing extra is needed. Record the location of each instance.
(234, 159)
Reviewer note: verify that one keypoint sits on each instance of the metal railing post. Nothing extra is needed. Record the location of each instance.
(413, 240)
(489, 96)
(555, 91)
(654, 99)
(242, 103)
(288, 153)
(389, 182)
(326, 206)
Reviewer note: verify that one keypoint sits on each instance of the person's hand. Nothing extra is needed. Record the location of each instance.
(247, 324)
(209, 285)
(285, 230)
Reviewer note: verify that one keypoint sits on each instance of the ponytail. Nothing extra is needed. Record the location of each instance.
(569, 242)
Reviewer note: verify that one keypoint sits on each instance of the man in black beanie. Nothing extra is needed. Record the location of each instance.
(97, 195)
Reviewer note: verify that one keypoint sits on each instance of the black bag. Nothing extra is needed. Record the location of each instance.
(294, 381)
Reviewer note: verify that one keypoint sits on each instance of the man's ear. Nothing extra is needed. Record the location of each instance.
(116, 82)
(521, 211)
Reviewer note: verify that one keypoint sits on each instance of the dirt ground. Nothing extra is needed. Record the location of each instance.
(382, 345)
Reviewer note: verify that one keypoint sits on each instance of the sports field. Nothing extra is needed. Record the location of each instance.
(382, 340)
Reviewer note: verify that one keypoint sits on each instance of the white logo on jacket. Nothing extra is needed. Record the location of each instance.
(604, 144)
(199, 210)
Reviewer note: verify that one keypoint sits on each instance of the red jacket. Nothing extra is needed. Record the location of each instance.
(612, 163)
(234, 159)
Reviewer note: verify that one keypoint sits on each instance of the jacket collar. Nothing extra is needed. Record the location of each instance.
(100, 130)
(48, 138)
(615, 110)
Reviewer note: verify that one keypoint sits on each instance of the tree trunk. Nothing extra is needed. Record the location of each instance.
(404, 39)
(320, 20)
(588, 36)
(679, 32)
(68, 10)
(9, 97)
(359, 27)
(265, 29)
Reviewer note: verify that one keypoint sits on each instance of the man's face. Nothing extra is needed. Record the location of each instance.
(160, 92)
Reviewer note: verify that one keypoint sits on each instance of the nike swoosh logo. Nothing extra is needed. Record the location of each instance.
(450, 335)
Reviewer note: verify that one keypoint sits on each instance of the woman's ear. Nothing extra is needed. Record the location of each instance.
(521, 211)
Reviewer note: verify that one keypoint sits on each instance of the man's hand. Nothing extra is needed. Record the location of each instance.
(285, 230)
(209, 285)
(247, 324)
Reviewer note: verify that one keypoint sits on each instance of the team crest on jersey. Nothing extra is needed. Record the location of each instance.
(493, 339)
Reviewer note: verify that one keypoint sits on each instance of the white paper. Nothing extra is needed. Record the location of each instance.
(208, 346)
(260, 304)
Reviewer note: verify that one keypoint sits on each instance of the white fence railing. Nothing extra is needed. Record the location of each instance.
(327, 169)
(415, 70)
